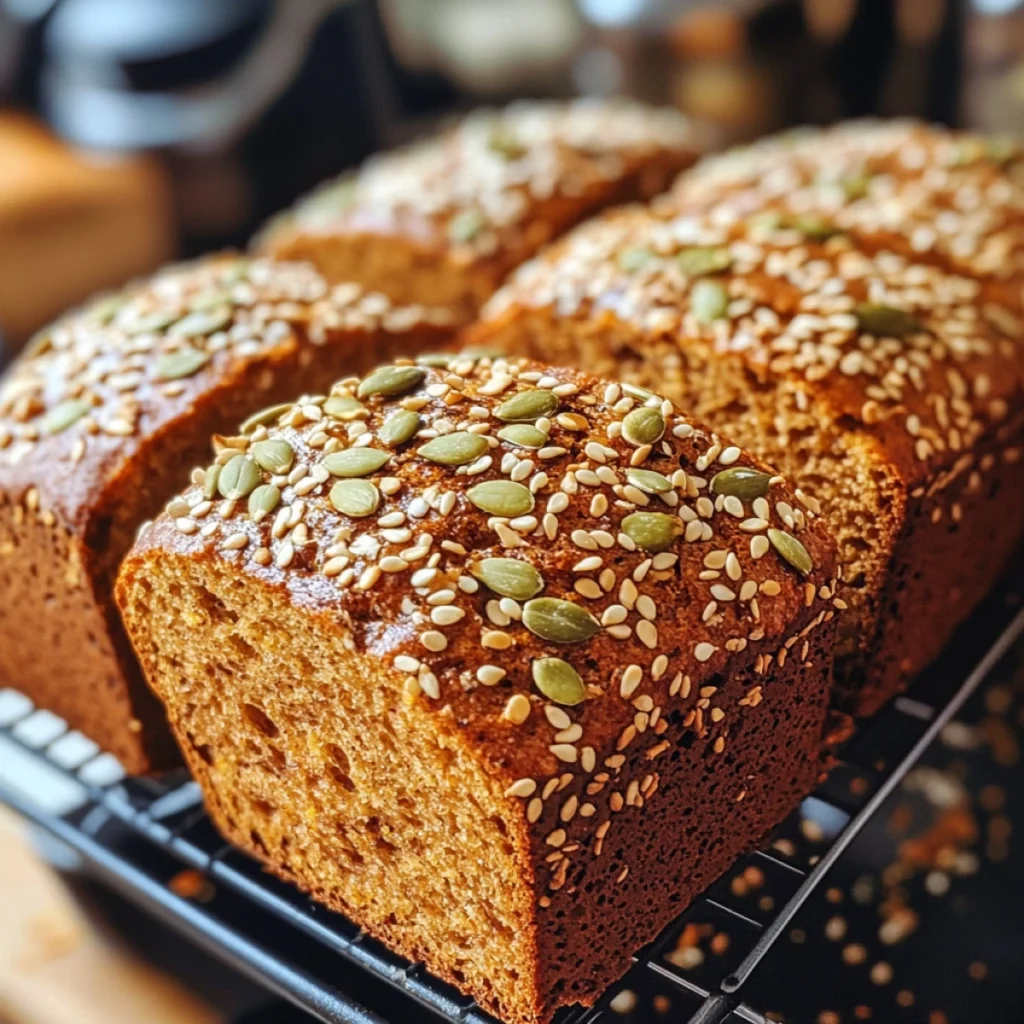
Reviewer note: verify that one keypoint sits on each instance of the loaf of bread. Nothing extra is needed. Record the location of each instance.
(524, 670)
(443, 221)
(848, 305)
(100, 421)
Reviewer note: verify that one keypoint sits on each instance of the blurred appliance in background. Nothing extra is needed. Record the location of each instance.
(248, 102)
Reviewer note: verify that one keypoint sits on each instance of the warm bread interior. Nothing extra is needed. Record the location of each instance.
(311, 758)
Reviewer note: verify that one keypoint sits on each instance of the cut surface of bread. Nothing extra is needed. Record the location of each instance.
(512, 682)
(100, 421)
(882, 374)
(442, 221)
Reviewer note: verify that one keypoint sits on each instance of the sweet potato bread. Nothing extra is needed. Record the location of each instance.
(99, 422)
(526, 667)
(443, 221)
(850, 307)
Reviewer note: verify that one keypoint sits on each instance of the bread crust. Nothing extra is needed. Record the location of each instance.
(446, 219)
(99, 421)
(790, 269)
(675, 652)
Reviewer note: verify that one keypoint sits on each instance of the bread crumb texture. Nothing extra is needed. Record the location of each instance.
(100, 419)
(847, 303)
(504, 662)
(443, 220)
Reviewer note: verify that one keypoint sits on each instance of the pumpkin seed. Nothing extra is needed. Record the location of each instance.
(355, 498)
(527, 406)
(465, 225)
(856, 186)
(182, 363)
(399, 427)
(502, 498)
(649, 481)
(210, 478)
(509, 577)
(791, 550)
(263, 500)
(344, 407)
(561, 622)
(652, 531)
(815, 227)
(102, 311)
(437, 360)
(1002, 149)
(209, 299)
(644, 395)
(268, 415)
(454, 449)
(709, 301)
(505, 144)
(391, 381)
(355, 461)
(700, 260)
(329, 201)
(273, 455)
(61, 416)
(479, 352)
(633, 259)
(558, 681)
(235, 271)
(742, 482)
(202, 322)
(643, 426)
(525, 435)
(767, 220)
(887, 321)
(155, 321)
(239, 477)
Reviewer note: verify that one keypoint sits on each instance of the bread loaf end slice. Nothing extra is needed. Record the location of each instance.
(517, 679)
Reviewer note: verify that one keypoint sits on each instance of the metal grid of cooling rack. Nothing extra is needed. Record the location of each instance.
(151, 840)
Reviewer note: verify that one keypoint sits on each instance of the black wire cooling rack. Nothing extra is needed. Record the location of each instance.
(150, 840)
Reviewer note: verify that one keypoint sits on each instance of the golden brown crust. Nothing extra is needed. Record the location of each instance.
(101, 416)
(401, 580)
(473, 202)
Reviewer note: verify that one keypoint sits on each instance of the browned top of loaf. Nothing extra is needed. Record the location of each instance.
(88, 391)
(923, 354)
(926, 190)
(629, 615)
(472, 190)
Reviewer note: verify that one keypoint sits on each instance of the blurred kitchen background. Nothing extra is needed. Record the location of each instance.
(132, 131)
(135, 131)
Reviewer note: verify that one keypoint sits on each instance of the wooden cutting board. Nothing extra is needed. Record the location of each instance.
(55, 968)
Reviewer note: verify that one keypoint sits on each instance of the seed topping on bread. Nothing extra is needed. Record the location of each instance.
(484, 175)
(100, 370)
(355, 486)
(896, 338)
